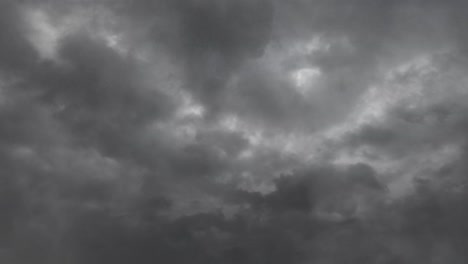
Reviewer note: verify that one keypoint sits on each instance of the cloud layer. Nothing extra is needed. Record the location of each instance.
(251, 131)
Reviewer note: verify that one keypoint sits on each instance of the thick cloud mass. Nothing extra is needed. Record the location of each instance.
(233, 131)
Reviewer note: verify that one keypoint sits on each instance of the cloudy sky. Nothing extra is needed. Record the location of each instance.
(233, 131)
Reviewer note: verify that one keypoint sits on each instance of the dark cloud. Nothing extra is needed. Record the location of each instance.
(17, 54)
(205, 131)
(219, 37)
(436, 122)
(211, 39)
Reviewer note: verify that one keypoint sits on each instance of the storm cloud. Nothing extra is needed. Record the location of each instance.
(222, 131)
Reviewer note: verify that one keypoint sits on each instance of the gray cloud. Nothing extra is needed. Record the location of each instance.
(232, 132)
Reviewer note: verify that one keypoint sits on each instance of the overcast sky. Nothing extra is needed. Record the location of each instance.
(233, 131)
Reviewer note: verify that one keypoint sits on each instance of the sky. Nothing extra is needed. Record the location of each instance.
(233, 131)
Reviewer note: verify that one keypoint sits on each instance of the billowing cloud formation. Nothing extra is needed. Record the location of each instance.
(252, 131)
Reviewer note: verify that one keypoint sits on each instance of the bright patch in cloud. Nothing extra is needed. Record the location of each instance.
(305, 78)
(43, 36)
(189, 108)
